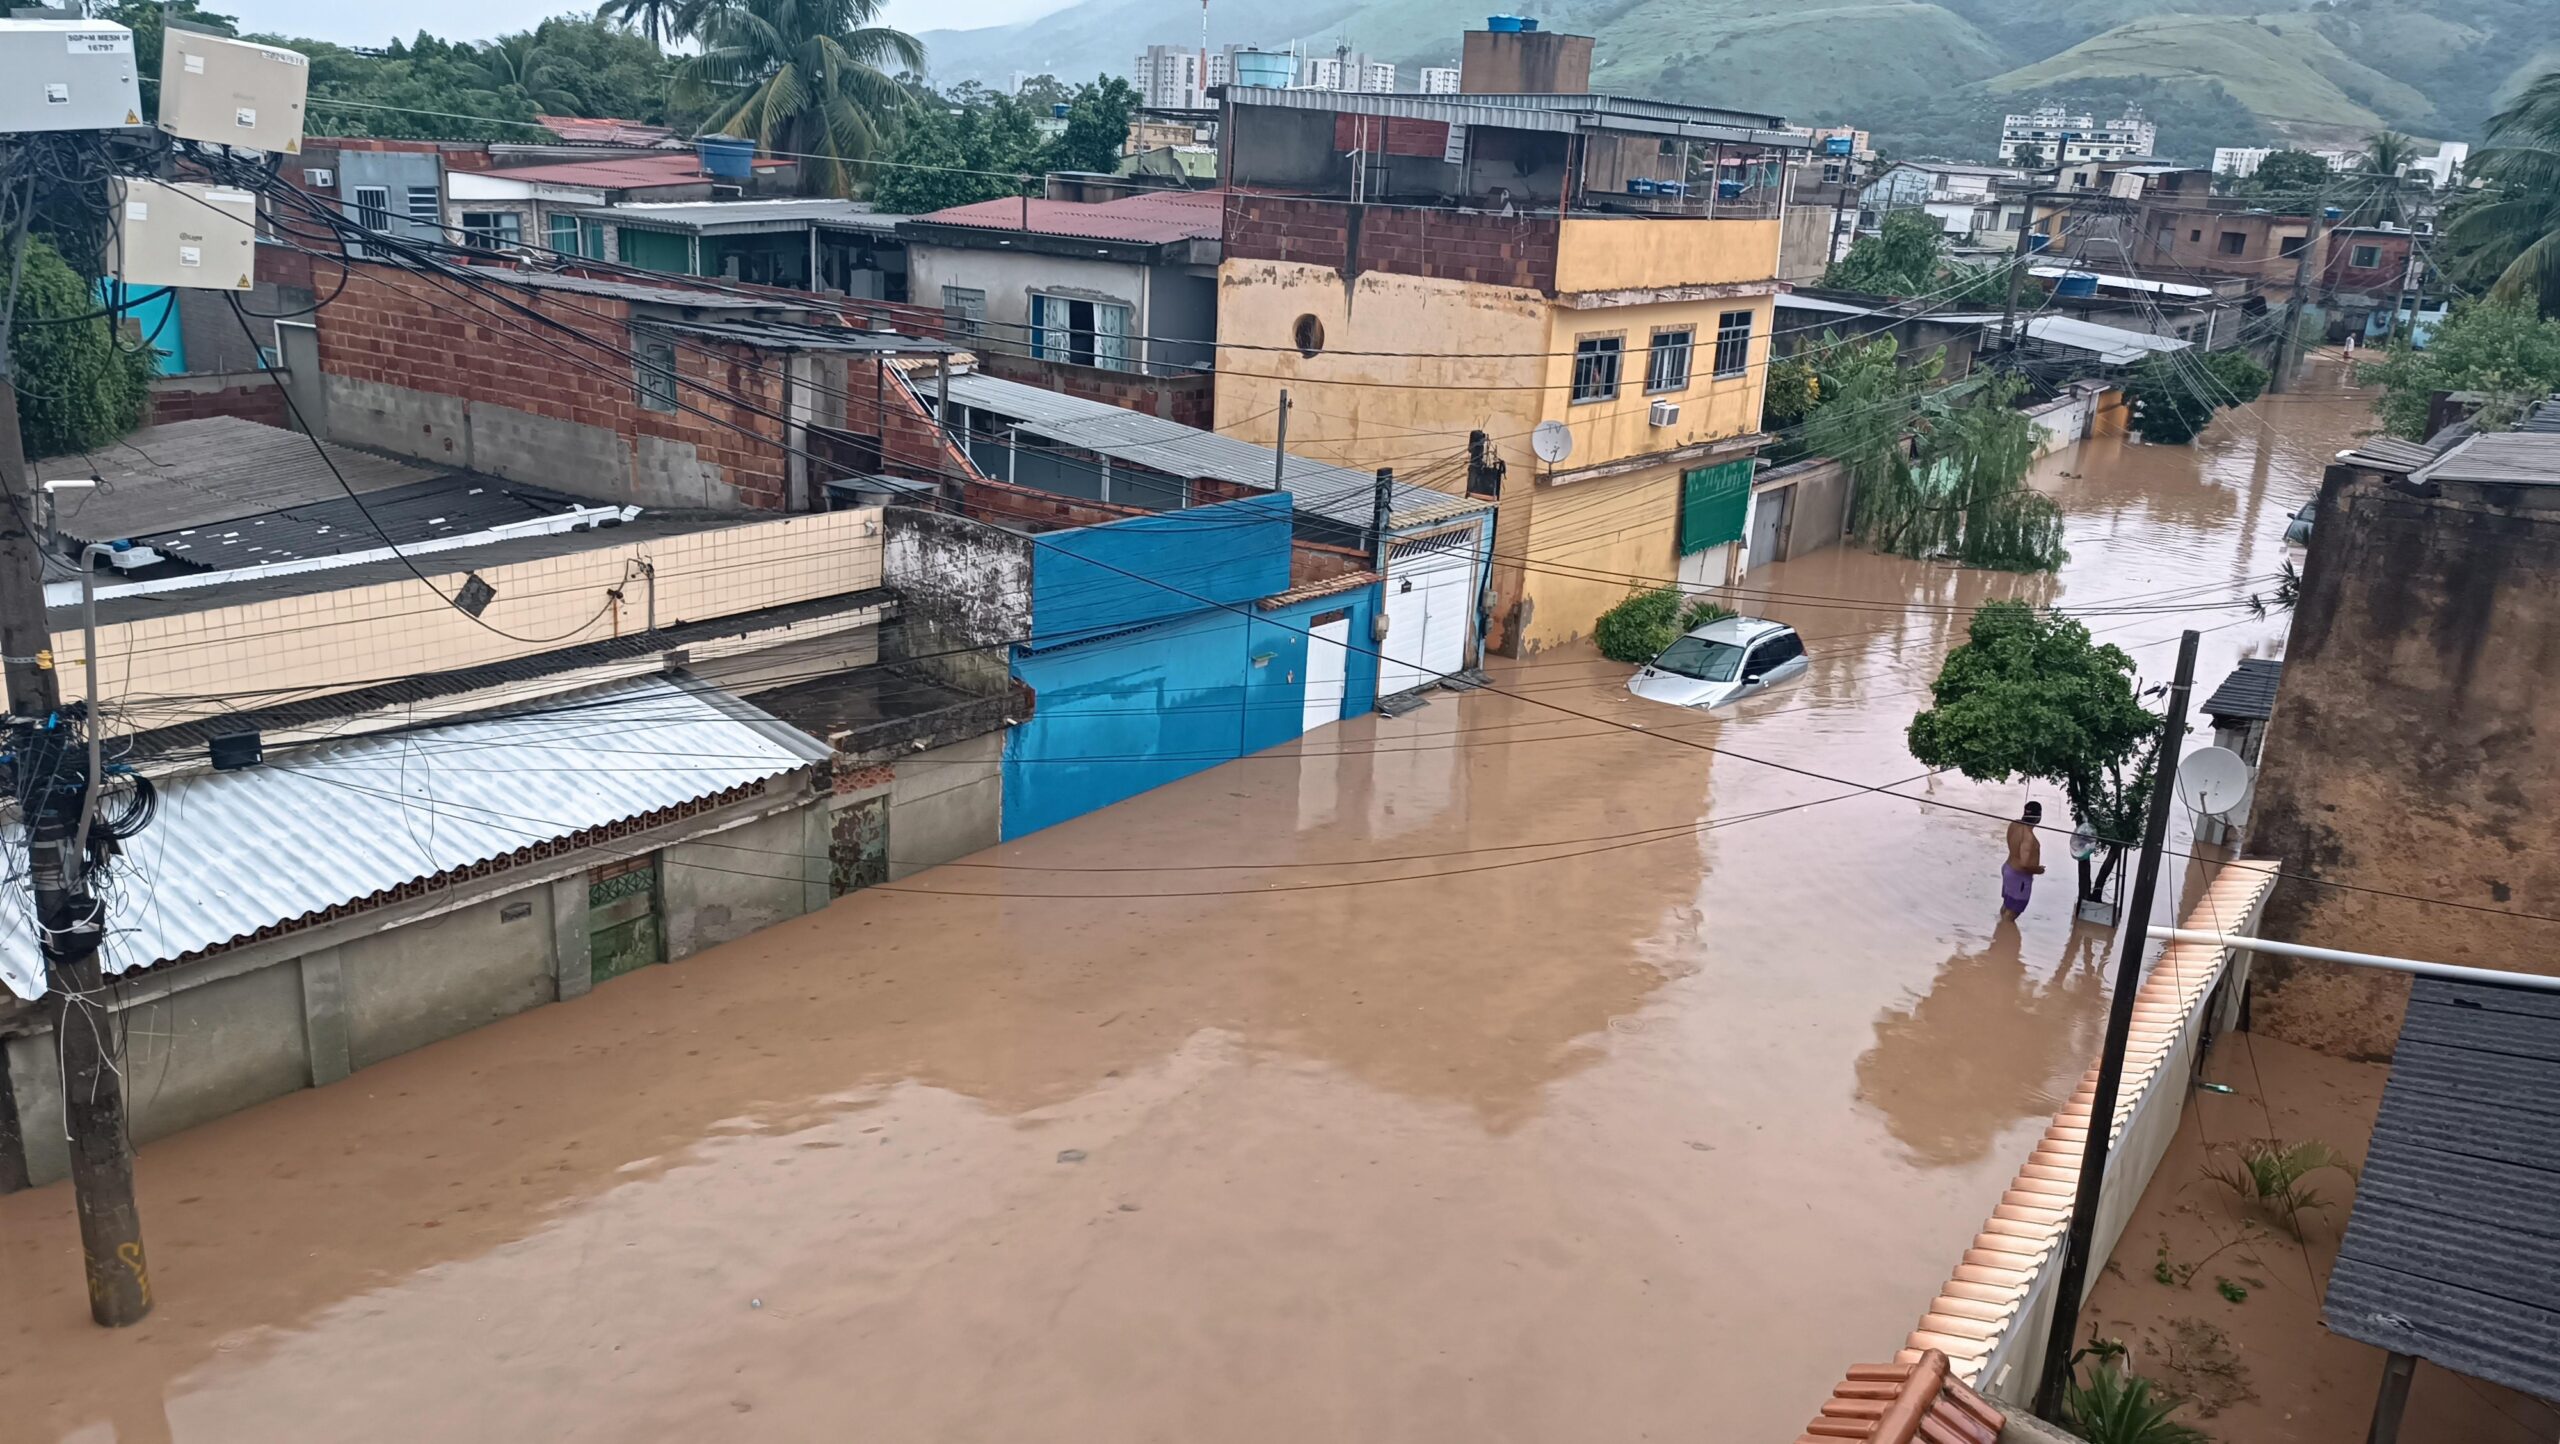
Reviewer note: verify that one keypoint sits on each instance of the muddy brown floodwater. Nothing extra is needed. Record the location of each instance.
(1491, 1073)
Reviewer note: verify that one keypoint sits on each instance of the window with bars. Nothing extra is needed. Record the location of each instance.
(1666, 364)
(372, 206)
(1595, 367)
(1733, 343)
(656, 373)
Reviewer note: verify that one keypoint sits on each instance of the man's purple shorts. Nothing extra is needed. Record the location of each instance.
(2014, 886)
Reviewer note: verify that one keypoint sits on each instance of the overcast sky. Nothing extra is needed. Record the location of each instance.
(365, 24)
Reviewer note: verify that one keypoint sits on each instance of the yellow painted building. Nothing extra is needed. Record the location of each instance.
(1404, 368)
(1430, 279)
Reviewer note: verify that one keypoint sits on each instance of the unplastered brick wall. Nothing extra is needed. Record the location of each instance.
(1518, 251)
(340, 640)
(393, 329)
(881, 401)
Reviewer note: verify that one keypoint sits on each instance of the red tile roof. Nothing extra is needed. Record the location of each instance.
(1904, 1404)
(1155, 218)
(621, 172)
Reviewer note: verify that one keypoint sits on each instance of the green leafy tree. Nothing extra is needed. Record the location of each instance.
(1901, 258)
(80, 384)
(521, 67)
(808, 78)
(1043, 91)
(2291, 173)
(2028, 157)
(953, 156)
(602, 70)
(2029, 694)
(659, 20)
(2509, 240)
(144, 18)
(1961, 490)
(1637, 629)
(2176, 394)
(2501, 350)
(1097, 127)
(1868, 402)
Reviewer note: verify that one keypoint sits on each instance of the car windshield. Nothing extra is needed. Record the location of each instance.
(1699, 659)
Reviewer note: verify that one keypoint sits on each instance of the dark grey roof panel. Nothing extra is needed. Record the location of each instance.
(188, 473)
(401, 516)
(2453, 1252)
(2249, 693)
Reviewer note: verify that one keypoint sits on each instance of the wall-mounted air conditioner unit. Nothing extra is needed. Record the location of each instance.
(1665, 413)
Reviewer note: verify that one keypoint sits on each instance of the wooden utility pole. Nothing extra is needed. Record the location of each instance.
(52, 778)
(2134, 928)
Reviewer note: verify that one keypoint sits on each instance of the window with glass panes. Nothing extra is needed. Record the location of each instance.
(1733, 343)
(1666, 364)
(1595, 367)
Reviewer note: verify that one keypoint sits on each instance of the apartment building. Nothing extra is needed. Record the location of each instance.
(1170, 77)
(2058, 136)
(1437, 80)
(1603, 264)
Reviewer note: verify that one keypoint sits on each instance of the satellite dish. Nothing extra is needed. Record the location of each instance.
(2213, 780)
(1552, 440)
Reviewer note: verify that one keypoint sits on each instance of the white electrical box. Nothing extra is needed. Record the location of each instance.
(200, 237)
(67, 75)
(232, 92)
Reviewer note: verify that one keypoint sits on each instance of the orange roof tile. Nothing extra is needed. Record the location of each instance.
(1905, 1403)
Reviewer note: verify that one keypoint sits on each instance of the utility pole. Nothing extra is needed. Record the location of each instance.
(2289, 340)
(1383, 507)
(2017, 274)
(52, 773)
(1280, 447)
(2102, 1105)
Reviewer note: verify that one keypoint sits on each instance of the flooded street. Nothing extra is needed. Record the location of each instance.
(1496, 1072)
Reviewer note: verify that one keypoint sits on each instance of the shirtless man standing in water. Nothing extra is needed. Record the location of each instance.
(2026, 860)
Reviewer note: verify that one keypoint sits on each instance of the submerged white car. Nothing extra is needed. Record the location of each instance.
(1723, 661)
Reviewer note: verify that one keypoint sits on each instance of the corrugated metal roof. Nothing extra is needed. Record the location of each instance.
(1564, 113)
(604, 130)
(1334, 492)
(1787, 301)
(2113, 345)
(627, 172)
(629, 291)
(2126, 283)
(2499, 458)
(2389, 453)
(1154, 218)
(785, 337)
(2249, 693)
(713, 215)
(188, 473)
(2450, 1254)
(2545, 416)
(231, 854)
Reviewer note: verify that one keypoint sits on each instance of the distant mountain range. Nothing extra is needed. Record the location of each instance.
(1926, 78)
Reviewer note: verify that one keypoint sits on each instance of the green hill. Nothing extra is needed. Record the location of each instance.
(1922, 74)
(2282, 67)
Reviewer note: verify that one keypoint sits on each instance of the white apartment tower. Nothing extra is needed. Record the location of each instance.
(1169, 77)
(1438, 80)
(2063, 138)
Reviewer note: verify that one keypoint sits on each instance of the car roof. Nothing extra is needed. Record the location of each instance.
(1739, 631)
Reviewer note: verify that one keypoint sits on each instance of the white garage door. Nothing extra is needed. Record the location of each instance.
(1431, 610)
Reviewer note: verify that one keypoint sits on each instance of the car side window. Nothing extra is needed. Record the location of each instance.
(1776, 652)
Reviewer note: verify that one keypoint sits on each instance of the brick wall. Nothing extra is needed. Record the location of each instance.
(1515, 251)
(1311, 562)
(1009, 505)
(1190, 398)
(880, 401)
(253, 395)
(394, 329)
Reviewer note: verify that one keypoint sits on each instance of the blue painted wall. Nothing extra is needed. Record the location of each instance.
(1153, 568)
(1135, 684)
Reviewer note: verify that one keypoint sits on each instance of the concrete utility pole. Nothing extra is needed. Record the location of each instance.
(69, 921)
(2077, 1242)
(1280, 447)
(2017, 274)
(1380, 510)
(2289, 340)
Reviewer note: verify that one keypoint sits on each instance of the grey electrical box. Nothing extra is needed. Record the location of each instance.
(232, 92)
(201, 237)
(67, 75)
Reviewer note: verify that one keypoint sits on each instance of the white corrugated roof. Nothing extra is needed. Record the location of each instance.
(2124, 283)
(232, 853)
(2113, 345)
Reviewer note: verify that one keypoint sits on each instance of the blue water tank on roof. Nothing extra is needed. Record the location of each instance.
(2077, 283)
(726, 157)
(1502, 24)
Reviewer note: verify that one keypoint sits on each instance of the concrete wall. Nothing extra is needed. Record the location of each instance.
(2410, 750)
(946, 803)
(964, 595)
(212, 1037)
(1817, 500)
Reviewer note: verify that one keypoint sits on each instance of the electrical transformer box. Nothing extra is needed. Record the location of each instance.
(201, 237)
(232, 92)
(66, 75)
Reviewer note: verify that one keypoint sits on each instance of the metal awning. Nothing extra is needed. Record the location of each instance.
(316, 834)
(1320, 488)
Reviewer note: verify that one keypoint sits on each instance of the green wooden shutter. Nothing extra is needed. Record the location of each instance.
(1713, 500)
(656, 250)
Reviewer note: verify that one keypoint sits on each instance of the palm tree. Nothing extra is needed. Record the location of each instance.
(519, 63)
(2510, 236)
(660, 20)
(2387, 154)
(807, 78)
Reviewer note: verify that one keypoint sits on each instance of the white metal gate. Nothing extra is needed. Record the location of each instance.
(1431, 609)
(1328, 668)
